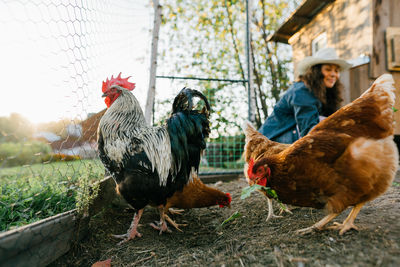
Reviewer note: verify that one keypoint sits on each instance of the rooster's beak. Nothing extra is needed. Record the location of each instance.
(104, 95)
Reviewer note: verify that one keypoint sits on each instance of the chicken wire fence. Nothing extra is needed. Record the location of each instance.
(225, 145)
(54, 57)
(55, 54)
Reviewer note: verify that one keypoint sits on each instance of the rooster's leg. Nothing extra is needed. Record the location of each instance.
(349, 222)
(132, 231)
(319, 225)
(162, 225)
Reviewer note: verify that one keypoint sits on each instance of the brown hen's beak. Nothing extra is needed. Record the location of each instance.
(251, 182)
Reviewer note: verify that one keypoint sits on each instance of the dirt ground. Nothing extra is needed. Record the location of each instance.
(248, 240)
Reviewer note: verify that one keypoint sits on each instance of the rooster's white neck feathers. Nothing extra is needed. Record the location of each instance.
(124, 121)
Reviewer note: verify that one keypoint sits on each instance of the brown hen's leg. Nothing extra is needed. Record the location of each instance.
(349, 222)
(132, 231)
(319, 225)
(176, 211)
(173, 223)
(162, 225)
(271, 211)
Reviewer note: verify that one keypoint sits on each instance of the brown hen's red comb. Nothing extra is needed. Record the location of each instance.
(123, 82)
(229, 197)
(250, 168)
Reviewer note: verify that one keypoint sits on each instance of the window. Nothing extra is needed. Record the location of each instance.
(318, 43)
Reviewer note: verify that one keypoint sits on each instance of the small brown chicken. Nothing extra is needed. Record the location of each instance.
(258, 146)
(346, 160)
(195, 194)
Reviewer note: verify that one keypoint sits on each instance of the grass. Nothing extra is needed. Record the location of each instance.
(34, 192)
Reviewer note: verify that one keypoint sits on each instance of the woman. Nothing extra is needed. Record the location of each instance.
(315, 96)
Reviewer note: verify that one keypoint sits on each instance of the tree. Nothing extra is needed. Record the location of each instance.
(206, 38)
(15, 128)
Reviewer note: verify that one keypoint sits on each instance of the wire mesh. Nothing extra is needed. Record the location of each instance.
(228, 110)
(54, 56)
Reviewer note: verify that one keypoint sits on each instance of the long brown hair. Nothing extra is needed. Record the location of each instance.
(330, 98)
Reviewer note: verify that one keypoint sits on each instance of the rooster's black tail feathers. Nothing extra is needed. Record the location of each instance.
(184, 100)
(188, 129)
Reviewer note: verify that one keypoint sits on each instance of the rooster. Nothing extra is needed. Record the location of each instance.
(195, 194)
(149, 164)
(346, 160)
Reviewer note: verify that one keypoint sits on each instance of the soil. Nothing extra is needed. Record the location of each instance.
(247, 240)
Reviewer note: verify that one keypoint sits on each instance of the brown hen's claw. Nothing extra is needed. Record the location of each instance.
(349, 222)
(284, 209)
(176, 211)
(343, 227)
(173, 223)
(317, 226)
(307, 230)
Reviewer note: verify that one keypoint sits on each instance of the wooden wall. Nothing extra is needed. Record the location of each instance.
(354, 27)
(385, 13)
(347, 24)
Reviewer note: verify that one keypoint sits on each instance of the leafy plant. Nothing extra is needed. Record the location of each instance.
(246, 192)
(87, 191)
(232, 217)
(34, 192)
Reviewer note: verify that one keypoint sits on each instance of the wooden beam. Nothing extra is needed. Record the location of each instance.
(148, 114)
(381, 20)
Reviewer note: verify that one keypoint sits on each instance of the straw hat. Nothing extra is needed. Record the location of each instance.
(324, 56)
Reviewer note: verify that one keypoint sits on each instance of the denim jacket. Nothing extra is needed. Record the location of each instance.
(294, 115)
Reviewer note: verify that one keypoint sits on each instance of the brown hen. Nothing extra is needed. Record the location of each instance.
(348, 159)
(258, 146)
(195, 194)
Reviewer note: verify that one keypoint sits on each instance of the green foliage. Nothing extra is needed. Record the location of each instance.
(271, 193)
(206, 38)
(14, 128)
(87, 190)
(29, 152)
(235, 215)
(30, 199)
(246, 192)
(31, 193)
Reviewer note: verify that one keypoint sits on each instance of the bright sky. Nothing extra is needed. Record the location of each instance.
(54, 55)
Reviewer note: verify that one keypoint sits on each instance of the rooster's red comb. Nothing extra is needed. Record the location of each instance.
(250, 168)
(123, 82)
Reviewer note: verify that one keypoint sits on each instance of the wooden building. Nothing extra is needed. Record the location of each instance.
(364, 32)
